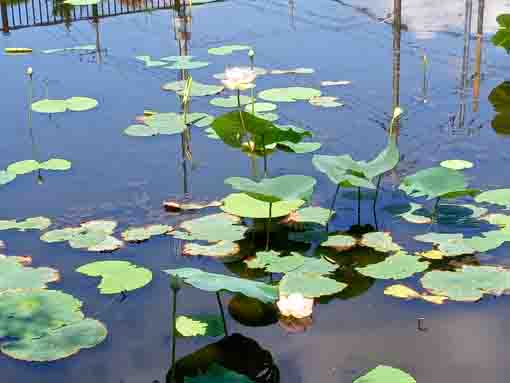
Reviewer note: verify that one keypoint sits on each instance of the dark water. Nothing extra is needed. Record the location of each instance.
(114, 176)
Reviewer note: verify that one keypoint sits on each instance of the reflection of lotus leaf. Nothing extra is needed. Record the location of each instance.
(500, 100)
(398, 266)
(385, 374)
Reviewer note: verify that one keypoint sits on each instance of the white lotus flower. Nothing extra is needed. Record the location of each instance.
(239, 78)
(295, 305)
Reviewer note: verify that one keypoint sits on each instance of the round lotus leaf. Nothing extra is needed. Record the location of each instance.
(87, 239)
(59, 343)
(6, 177)
(23, 167)
(31, 313)
(14, 275)
(258, 71)
(227, 49)
(325, 102)
(497, 197)
(230, 102)
(34, 223)
(107, 226)
(199, 325)
(212, 228)
(117, 276)
(197, 89)
(108, 245)
(166, 123)
(379, 241)
(140, 234)
(49, 106)
(140, 131)
(312, 214)
(80, 104)
(299, 147)
(243, 205)
(398, 266)
(457, 164)
(201, 120)
(386, 374)
(310, 285)
(188, 65)
(340, 242)
(260, 107)
(225, 251)
(56, 164)
(61, 235)
(273, 262)
(291, 94)
(267, 116)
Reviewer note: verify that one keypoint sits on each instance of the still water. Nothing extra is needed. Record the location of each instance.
(126, 179)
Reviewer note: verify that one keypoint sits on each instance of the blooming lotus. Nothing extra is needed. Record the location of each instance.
(295, 305)
(239, 78)
(293, 325)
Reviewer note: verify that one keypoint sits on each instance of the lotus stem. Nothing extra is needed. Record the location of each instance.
(435, 210)
(222, 312)
(265, 155)
(331, 209)
(174, 330)
(359, 206)
(240, 111)
(268, 226)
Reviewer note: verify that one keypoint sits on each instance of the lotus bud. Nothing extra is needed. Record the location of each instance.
(30, 71)
(251, 53)
(175, 283)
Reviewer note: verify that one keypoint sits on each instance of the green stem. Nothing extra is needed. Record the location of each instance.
(222, 312)
(268, 225)
(174, 332)
(436, 208)
(240, 111)
(265, 155)
(359, 206)
(331, 209)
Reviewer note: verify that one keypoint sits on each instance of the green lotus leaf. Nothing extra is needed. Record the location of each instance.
(379, 241)
(500, 100)
(299, 147)
(502, 36)
(108, 245)
(80, 104)
(200, 120)
(217, 282)
(498, 219)
(243, 205)
(325, 102)
(8, 224)
(227, 49)
(497, 197)
(291, 94)
(23, 167)
(60, 235)
(212, 134)
(150, 63)
(456, 164)
(89, 238)
(212, 228)
(312, 214)
(272, 262)
(6, 177)
(58, 343)
(117, 276)
(49, 106)
(56, 164)
(230, 102)
(310, 285)
(139, 130)
(260, 107)
(468, 284)
(140, 234)
(271, 117)
(199, 325)
(104, 225)
(14, 275)
(283, 188)
(218, 374)
(31, 313)
(166, 123)
(34, 223)
(226, 251)
(340, 242)
(386, 374)
(197, 89)
(187, 64)
(398, 266)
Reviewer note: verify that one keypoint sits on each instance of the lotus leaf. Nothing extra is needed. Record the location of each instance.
(149, 63)
(203, 325)
(14, 275)
(311, 214)
(218, 374)
(497, 197)
(212, 228)
(61, 235)
(117, 276)
(217, 282)
(34, 223)
(243, 205)
(29, 166)
(272, 262)
(293, 71)
(401, 291)
(499, 98)
(226, 251)
(299, 147)
(17, 51)
(456, 164)
(227, 49)
(398, 266)
(272, 117)
(197, 89)
(335, 83)
(291, 94)
(86, 239)
(108, 245)
(139, 130)
(502, 36)
(230, 102)
(386, 374)
(260, 107)
(140, 234)
(74, 104)
(175, 206)
(6, 177)
(340, 242)
(201, 120)
(186, 63)
(58, 343)
(498, 219)
(325, 102)
(310, 285)
(379, 241)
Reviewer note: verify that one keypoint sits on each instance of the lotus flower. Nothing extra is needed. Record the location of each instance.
(239, 78)
(295, 305)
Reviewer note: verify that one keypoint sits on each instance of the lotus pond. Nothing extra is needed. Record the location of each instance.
(254, 191)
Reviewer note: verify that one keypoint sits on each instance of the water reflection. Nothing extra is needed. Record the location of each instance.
(500, 100)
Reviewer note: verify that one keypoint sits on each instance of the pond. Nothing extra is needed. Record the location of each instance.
(400, 88)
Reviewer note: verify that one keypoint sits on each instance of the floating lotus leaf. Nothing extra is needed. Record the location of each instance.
(140, 234)
(149, 63)
(166, 123)
(201, 120)
(272, 117)
(217, 282)
(243, 205)
(87, 239)
(34, 223)
(212, 228)
(71, 49)
(200, 325)
(197, 89)
(335, 83)
(81, 104)
(218, 374)
(60, 235)
(340, 242)
(291, 94)
(300, 147)
(14, 275)
(175, 206)
(31, 313)
(56, 164)
(6, 177)
(468, 284)
(139, 130)
(436, 182)
(310, 285)
(283, 188)
(108, 245)
(386, 374)
(117, 276)
(432, 254)
(311, 214)
(258, 71)
(260, 107)
(497, 197)
(29, 166)
(230, 102)
(78, 3)
(187, 64)
(59, 343)
(398, 266)
(272, 262)
(325, 102)
(379, 241)
(226, 251)
(502, 36)
(404, 292)
(107, 226)
(456, 164)
(227, 49)
(49, 106)
(498, 219)
(293, 71)
(17, 51)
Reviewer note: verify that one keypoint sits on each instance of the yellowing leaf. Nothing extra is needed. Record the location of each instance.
(431, 254)
(404, 292)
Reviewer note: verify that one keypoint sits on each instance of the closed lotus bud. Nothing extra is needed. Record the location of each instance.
(175, 283)
(251, 53)
(30, 71)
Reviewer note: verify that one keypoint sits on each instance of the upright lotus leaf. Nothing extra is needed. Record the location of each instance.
(230, 101)
(310, 285)
(437, 182)
(340, 242)
(217, 282)
(283, 188)
(212, 228)
(291, 94)
(197, 89)
(81, 104)
(243, 205)
(398, 266)
(500, 100)
(379, 241)
(272, 262)
(58, 343)
(502, 36)
(218, 374)
(14, 275)
(117, 276)
(31, 313)
(140, 234)
(468, 284)
(6, 177)
(227, 49)
(386, 374)
(385, 161)
(499, 197)
(226, 251)
(200, 325)
(342, 170)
